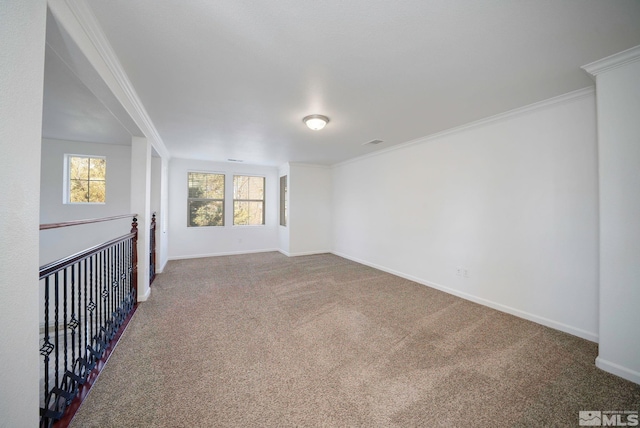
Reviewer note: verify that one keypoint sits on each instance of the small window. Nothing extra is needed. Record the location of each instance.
(206, 199)
(86, 179)
(248, 200)
(283, 201)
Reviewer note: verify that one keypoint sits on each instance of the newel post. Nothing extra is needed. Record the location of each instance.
(152, 255)
(134, 258)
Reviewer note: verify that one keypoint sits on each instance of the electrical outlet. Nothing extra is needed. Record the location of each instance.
(465, 272)
(459, 270)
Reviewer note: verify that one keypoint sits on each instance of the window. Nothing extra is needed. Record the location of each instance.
(86, 179)
(283, 201)
(248, 200)
(206, 199)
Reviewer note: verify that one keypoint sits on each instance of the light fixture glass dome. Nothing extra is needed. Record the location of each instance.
(316, 121)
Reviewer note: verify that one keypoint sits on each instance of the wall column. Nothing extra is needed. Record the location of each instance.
(22, 37)
(159, 204)
(161, 231)
(141, 205)
(310, 194)
(618, 100)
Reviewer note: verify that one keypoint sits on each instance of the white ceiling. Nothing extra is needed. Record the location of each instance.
(77, 104)
(234, 78)
(72, 112)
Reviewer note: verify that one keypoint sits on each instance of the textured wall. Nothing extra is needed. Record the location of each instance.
(511, 200)
(57, 243)
(310, 209)
(22, 41)
(619, 164)
(185, 242)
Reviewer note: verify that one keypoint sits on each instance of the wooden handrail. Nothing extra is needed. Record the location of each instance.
(102, 280)
(85, 221)
(53, 267)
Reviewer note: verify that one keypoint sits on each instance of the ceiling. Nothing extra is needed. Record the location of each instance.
(234, 78)
(77, 104)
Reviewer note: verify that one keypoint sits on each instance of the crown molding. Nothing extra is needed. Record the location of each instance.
(309, 165)
(613, 61)
(560, 99)
(78, 15)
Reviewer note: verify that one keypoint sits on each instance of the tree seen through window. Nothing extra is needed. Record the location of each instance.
(206, 199)
(248, 200)
(87, 179)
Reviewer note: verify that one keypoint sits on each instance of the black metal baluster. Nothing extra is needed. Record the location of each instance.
(117, 289)
(99, 302)
(152, 249)
(116, 286)
(123, 282)
(132, 294)
(94, 330)
(56, 327)
(105, 280)
(74, 321)
(98, 305)
(111, 287)
(87, 322)
(110, 291)
(127, 293)
(91, 304)
(80, 321)
(66, 321)
(46, 347)
(96, 314)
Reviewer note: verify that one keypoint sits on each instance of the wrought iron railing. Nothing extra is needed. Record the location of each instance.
(87, 300)
(152, 249)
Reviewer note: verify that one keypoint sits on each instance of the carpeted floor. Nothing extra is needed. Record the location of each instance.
(263, 340)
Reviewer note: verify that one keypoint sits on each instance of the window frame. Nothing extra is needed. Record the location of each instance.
(190, 199)
(263, 200)
(66, 196)
(284, 200)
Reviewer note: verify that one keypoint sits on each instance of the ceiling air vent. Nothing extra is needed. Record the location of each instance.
(373, 142)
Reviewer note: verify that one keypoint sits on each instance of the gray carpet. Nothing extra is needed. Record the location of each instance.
(263, 340)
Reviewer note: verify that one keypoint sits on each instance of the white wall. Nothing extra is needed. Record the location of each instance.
(310, 212)
(22, 37)
(511, 199)
(163, 225)
(159, 205)
(141, 205)
(187, 242)
(58, 243)
(618, 89)
(156, 174)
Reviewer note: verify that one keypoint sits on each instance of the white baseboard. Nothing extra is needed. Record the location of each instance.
(618, 370)
(236, 253)
(593, 337)
(144, 297)
(305, 253)
(161, 268)
(227, 253)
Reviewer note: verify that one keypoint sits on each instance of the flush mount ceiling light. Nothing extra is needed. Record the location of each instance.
(316, 121)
